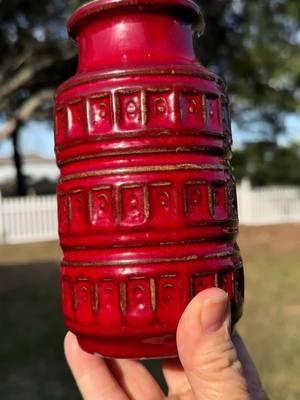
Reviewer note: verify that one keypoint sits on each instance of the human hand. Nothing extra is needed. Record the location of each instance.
(212, 365)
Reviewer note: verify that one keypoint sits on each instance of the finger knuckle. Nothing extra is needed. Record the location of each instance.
(219, 360)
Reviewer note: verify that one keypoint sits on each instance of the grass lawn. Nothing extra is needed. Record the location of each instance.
(32, 364)
(271, 322)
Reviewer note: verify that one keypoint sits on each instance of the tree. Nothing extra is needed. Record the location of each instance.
(254, 45)
(266, 164)
(35, 54)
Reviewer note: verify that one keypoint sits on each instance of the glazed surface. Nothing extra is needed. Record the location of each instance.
(147, 200)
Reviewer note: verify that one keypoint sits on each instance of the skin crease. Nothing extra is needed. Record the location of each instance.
(212, 364)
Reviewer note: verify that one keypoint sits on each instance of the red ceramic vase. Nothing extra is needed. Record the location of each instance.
(146, 198)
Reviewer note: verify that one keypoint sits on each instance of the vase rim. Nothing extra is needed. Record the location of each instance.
(98, 6)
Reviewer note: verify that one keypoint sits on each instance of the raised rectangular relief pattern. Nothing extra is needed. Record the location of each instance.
(197, 202)
(203, 281)
(163, 205)
(129, 109)
(61, 124)
(139, 306)
(84, 291)
(141, 108)
(159, 204)
(76, 119)
(63, 213)
(67, 297)
(109, 312)
(78, 211)
(225, 115)
(226, 282)
(139, 301)
(232, 200)
(219, 201)
(212, 109)
(132, 205)
(101, 207)
(160, 108)
(192, 109)
(99, 113)
(169, 295)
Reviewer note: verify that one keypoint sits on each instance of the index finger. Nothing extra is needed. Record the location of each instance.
(91, 373)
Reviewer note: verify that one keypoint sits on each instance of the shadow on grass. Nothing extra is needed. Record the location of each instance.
(32, 362)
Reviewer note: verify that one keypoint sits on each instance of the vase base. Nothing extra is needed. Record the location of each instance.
(134, 348)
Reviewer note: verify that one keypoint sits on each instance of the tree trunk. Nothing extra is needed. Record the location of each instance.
(21, 184)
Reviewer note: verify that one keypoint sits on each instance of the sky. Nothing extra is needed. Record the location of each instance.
(37, 137)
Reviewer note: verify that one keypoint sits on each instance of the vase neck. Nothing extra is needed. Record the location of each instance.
(130, 37)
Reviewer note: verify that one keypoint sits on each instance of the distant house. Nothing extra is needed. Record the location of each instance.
(35, 167)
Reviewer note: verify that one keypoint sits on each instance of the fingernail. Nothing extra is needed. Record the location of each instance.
(214, 312)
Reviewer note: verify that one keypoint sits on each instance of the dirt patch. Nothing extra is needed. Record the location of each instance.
(18, 254)
(268, 241)
(292, 310)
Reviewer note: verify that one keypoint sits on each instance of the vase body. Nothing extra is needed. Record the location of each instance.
(146, 198)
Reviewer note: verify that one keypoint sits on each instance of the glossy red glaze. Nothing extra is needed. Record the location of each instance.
(147, 201)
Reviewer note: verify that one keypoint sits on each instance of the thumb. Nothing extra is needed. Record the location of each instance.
(206, 351)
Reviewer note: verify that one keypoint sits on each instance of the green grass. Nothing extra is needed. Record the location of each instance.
(271, 323)
(32, 363)
(31, 353)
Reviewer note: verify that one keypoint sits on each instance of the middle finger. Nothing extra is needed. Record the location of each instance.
(175, 377)
(136, 381)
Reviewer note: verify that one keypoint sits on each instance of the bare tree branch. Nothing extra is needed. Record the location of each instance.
(26, 111)
(8, 128)
(29, 106)
(25, 74)
(13, 63)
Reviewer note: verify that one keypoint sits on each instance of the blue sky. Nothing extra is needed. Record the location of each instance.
(37, 137)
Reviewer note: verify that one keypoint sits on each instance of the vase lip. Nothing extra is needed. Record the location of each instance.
(98, 6)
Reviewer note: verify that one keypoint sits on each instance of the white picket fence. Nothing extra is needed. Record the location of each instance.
(34, 218)
(28, 219)
(268, 205)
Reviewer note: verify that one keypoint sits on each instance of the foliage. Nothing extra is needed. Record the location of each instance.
(255, 45)
(32, 43)
(267, 164)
